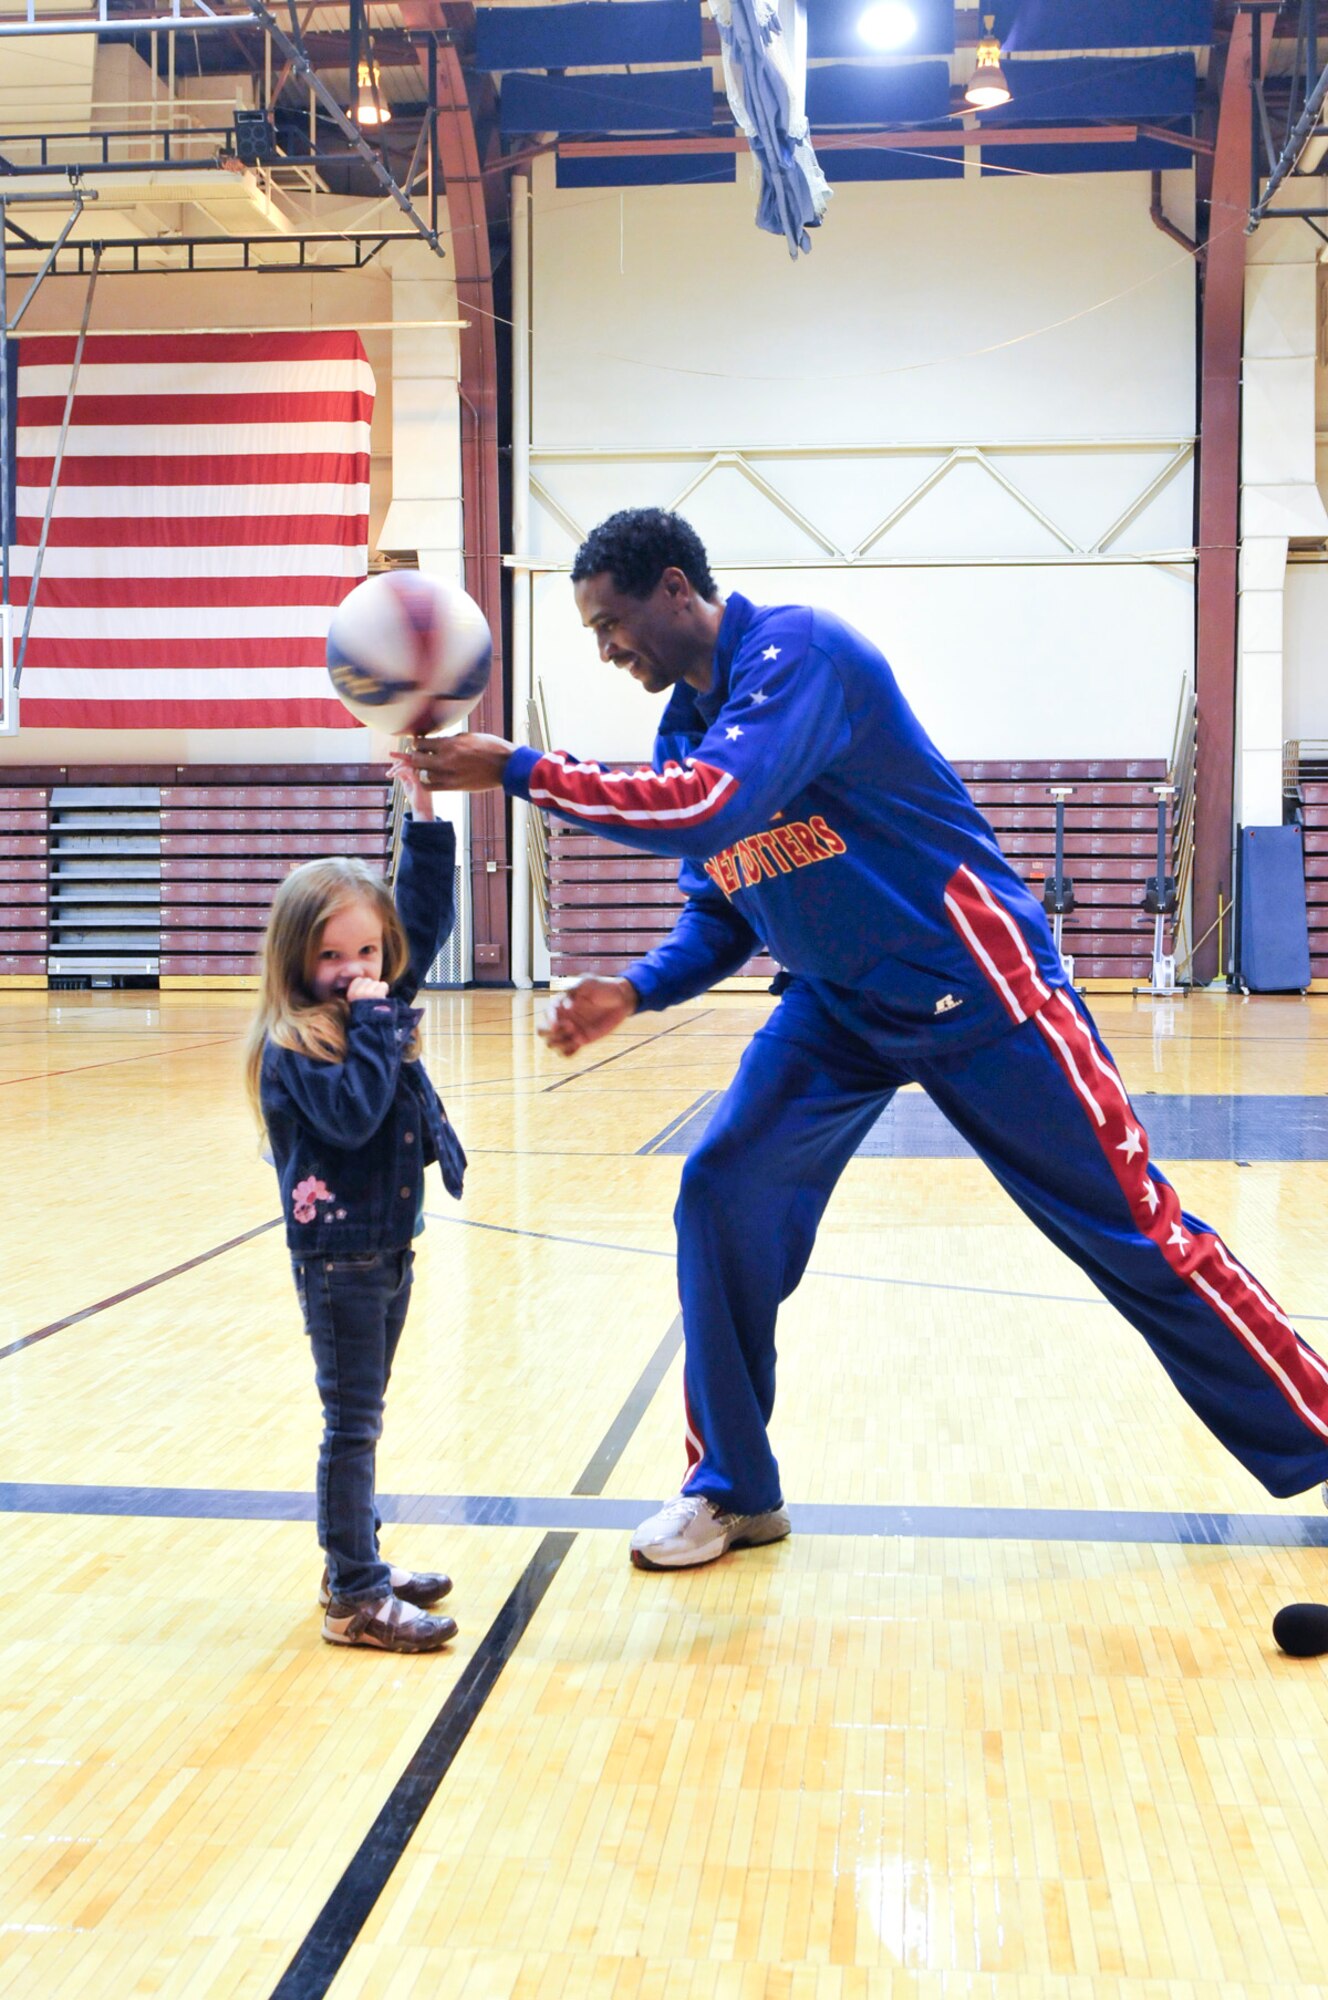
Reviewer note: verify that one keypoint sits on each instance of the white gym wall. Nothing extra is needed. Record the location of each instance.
(1026, 345)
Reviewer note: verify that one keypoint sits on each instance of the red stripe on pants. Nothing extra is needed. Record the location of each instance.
(1198, 1257)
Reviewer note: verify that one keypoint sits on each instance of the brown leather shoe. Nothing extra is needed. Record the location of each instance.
(387, 1625)
(421, 1587)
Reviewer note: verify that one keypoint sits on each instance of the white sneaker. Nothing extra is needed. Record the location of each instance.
(692, 1529)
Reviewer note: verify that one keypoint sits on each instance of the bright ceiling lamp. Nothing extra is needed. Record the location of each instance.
(887, 24)
(367, 103)
(370, 106)
(987, 87)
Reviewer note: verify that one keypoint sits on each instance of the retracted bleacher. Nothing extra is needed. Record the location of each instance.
(607, 903)
(1305, 790)
(24, 838)
(145, 873)
(226, 842)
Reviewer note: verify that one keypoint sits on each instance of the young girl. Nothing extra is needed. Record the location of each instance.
(352, 1119)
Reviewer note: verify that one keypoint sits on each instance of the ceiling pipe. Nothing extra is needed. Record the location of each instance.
(1163, 223)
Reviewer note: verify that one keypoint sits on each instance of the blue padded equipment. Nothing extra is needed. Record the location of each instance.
(1272, 927)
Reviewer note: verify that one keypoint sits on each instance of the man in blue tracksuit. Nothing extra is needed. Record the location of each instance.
(814, 817)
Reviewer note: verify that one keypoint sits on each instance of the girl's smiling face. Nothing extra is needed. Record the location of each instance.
(351, 947)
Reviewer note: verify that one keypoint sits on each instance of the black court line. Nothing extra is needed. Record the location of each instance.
(347, 1910)
(147, 1285)
(644, 1043)
(616, 1438)
(845, 1277)
(343, 1916)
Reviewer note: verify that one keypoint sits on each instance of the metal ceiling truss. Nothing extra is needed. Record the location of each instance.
(165, 256)
(1300, 119)
(190, 16)
(1173, 453)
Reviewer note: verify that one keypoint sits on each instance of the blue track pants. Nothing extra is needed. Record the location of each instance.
(1044, 1108)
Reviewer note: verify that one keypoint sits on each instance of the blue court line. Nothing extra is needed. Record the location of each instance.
(1182, 1126)
(660, 1143)
(848, 1277)
(477, 1510)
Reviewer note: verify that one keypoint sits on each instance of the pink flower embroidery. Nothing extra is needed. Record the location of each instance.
(306, 1194)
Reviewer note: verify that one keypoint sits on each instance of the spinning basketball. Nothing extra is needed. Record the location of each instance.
(408, 653)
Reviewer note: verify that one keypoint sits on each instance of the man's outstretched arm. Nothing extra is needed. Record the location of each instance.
(782, 725)
(709, 942)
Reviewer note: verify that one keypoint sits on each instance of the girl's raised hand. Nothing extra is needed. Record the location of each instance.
(418, 796)
(366, 989)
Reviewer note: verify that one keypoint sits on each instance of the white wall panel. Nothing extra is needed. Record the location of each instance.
(1092, 663)
(938, 424)
(1306, 651)
(1009, 307)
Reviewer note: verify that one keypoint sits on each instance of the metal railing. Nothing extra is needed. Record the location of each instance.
(537, 839)
(1181, 773)
(1304, 762)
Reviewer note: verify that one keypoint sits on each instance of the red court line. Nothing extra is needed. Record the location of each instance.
(145, 1285)
(112, 1062)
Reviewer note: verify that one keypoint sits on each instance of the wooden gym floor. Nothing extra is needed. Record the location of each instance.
(1003, 1720)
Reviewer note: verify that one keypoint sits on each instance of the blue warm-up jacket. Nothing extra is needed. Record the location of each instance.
(350, 1140)
(815, 817)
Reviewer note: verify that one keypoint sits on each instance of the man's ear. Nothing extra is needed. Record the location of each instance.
(676, 584)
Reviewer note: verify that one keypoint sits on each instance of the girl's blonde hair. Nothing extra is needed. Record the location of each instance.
(288, 1012)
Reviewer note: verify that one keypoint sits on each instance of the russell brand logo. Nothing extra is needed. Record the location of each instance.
(777, 851)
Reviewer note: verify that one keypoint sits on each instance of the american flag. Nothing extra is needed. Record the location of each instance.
(213, 507)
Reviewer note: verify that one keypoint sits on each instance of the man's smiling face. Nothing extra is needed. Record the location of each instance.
(647, 637)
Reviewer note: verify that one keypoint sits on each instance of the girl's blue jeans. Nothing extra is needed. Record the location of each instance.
(354, 1309)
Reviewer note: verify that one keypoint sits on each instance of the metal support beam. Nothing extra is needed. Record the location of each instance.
(34, 583)
(1223, 314)
(949, 138)
(302, 67)
(106, 29)
(139, 251)
(463, 181)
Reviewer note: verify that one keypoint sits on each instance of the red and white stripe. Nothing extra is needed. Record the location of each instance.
(692, 1443)
(997, 943)
(1197, 1256)
(212, 510)
(679, 795)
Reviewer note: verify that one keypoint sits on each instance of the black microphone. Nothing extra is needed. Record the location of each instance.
(1302, 1630)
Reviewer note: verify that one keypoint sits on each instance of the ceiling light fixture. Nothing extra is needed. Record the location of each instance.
(987, 87)
(888, 24)
(367, 105)
(370, 107)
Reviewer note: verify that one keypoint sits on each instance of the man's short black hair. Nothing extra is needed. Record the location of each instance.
(638, 545)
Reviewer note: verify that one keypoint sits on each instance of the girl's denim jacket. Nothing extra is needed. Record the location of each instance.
(350, 1140)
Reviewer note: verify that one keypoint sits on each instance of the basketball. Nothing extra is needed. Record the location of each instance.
(408, 654)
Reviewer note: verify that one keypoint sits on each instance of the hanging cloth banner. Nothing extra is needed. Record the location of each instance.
(764, 46)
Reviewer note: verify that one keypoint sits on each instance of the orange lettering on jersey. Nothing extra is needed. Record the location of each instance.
(763, 856)
(827, 835)
(799, 841)
(750, 856)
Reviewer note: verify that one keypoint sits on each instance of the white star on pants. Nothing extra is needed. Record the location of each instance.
(1178, 1237)
(1150, 1196)
(1132, 1143)
(733, 734)
(770, 653)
